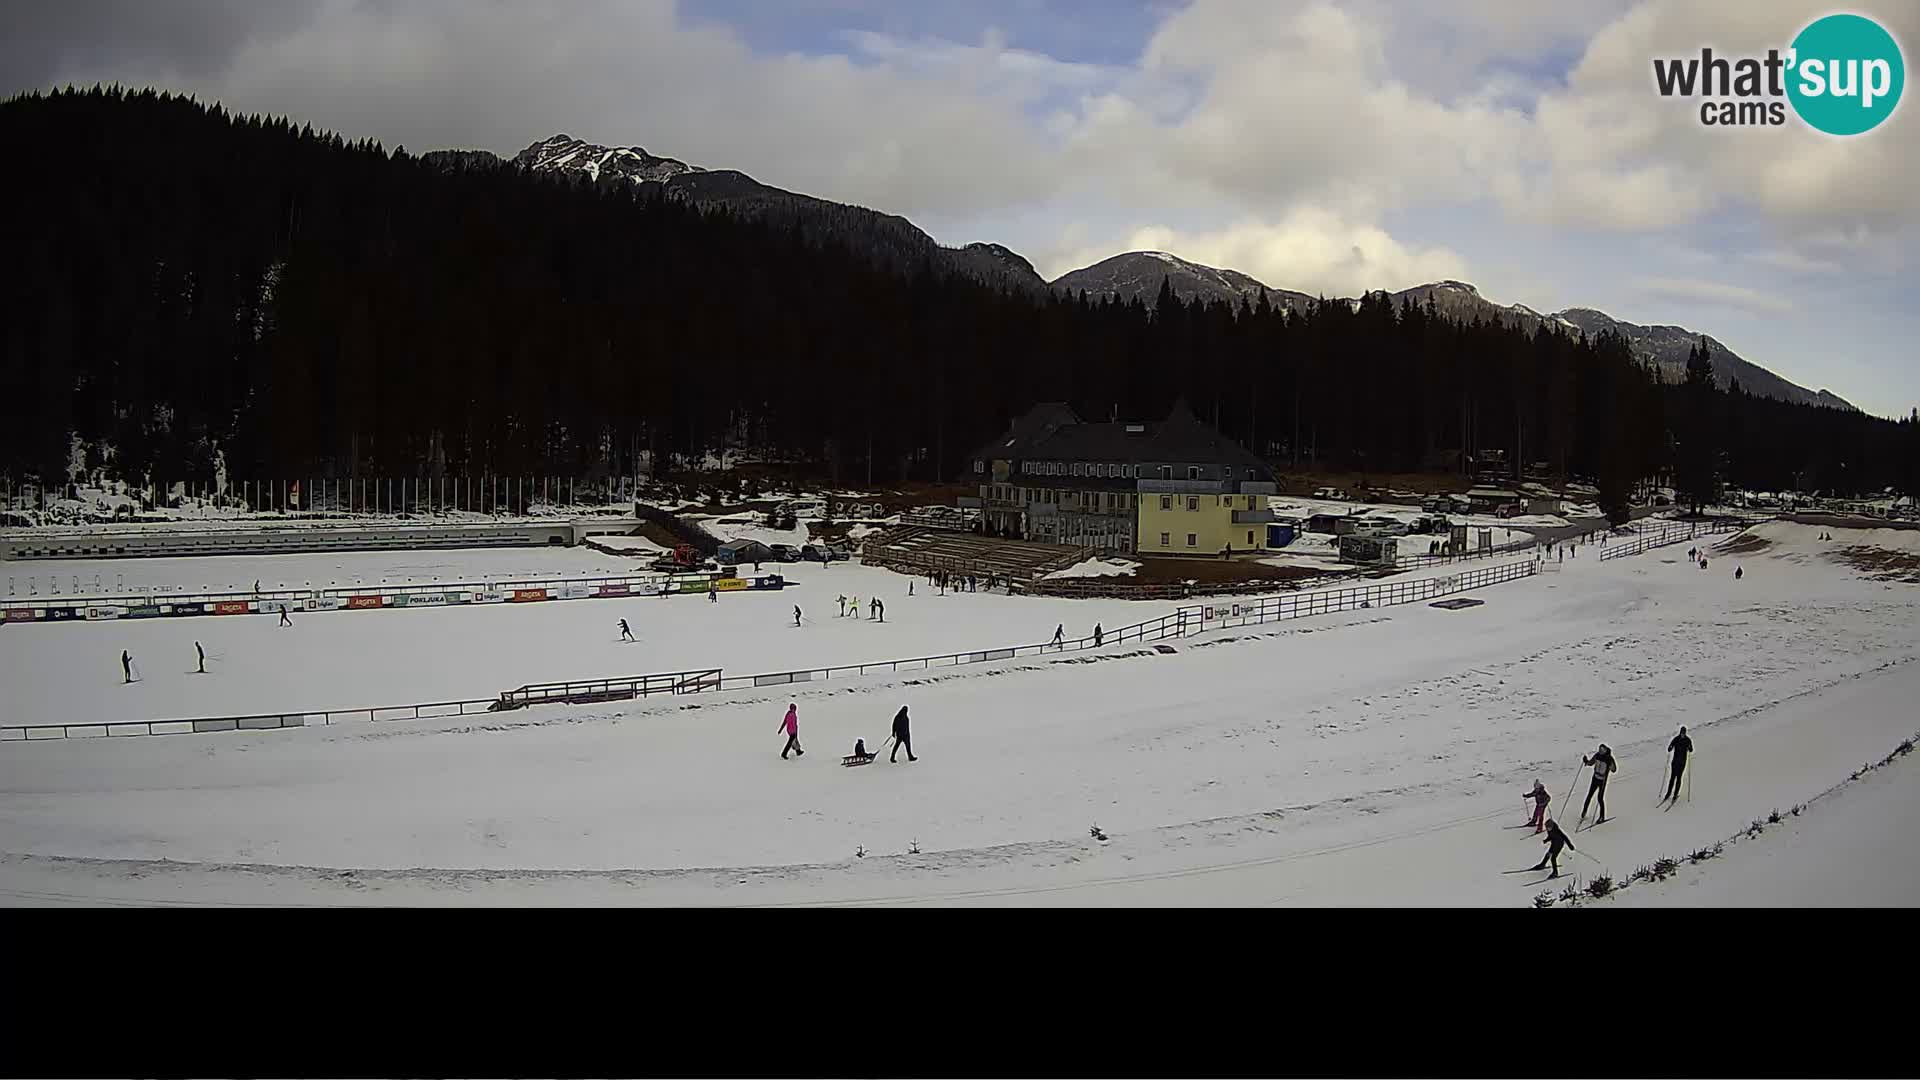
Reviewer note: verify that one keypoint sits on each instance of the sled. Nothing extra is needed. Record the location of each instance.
(858, 759)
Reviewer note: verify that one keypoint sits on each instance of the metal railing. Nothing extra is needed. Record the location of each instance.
(1673, 534)
(250, 722)
(590, 691)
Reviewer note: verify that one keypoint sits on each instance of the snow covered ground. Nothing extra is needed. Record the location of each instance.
(319, 570)
(1375, 757)
(1098, 568)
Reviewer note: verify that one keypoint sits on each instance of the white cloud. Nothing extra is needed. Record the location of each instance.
(1309, 250)
(1717, 293)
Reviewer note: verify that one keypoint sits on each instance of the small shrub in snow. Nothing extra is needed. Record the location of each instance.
(1905, 748)
(1703, 854)
(1570, 893)
(1641, 873)
(1774, 818)
(1754, 829)
(1663, 867)
(1543, 899)
(1600, 886)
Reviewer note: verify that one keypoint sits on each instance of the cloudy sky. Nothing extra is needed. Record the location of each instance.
(1321, 146)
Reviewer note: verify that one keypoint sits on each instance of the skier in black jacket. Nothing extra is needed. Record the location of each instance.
(1556, 839)
(1603, 767)
(901, 737)
(1680, 747)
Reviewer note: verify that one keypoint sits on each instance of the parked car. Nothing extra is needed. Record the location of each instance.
(784, 553)
(822, 553)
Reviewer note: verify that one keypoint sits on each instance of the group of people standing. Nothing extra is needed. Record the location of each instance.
(1604, 767)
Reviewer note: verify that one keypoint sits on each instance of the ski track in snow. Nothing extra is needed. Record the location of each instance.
(1244, 752)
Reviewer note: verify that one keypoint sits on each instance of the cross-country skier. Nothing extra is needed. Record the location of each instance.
(796, 614)
(1059, 640)
(1680, 747)
(1096, 635)
(1738, 573)
(1541, 800)
(284, 621)
(843, 606)
(713, 591)
(879, 609)
(1556, 839)
(853, 606)
(902, 738)
(791, 725)
(909, 588)
(626, 633)
(203, 657)
(126, 665)
(1603, 766)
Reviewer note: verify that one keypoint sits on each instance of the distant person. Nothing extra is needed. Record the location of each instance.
(902, 738)
(626, 632)
(1680, 747)
(791, 725)
(843, 606)
(203, 657)
(284, 621)
(1096, 635)
(1603, 767)
(1059, 636)
(1738, 573)
(909, 587)
(796, 614)
(713, 591)
(126, 665)
(879, 610)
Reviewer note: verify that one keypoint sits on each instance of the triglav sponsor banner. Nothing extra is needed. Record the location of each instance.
(324, 603)
(96, 613)
(489, 597)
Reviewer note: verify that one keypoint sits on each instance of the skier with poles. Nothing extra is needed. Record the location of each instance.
(902, 738)
(1603, 767)
(626, 633)
(879, 609)
(791, 725)
(1556, 839)
(1680, 747)
(126, 665)
(1541, 800)
(203, 657)
(796, 614)
(713, 591)
(843, 606)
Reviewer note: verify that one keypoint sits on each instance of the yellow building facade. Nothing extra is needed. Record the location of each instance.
(1195, 523)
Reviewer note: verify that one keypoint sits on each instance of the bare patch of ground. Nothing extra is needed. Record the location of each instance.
(1881, 564)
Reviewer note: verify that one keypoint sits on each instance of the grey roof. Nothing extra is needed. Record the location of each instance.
(1052, 432)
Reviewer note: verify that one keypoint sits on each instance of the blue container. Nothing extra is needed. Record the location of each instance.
(1279, 536)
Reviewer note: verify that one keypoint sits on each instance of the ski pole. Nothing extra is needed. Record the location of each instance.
(1573, 784)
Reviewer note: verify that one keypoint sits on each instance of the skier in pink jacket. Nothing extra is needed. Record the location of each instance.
(791, 725)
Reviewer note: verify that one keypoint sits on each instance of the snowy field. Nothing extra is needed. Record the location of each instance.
(65, 671)
(319, 570)
(1376, 757)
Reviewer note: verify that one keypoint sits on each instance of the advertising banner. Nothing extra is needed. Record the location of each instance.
(20, 614)
(279, 605)
(610, 590)
(105, 612)
(730, 584)
(646, 590)
(426, 599)
(522, 596)
(489, 597)
(574, 592)
(232, 607)
(144, 611)
(690, 586)
(366, 601)
(324, 603)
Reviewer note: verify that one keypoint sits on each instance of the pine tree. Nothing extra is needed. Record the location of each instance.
(1697, 444)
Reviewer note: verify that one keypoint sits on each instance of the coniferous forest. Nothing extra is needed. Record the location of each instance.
(182, 281)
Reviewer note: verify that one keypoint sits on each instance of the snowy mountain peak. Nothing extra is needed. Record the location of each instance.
(566, 154)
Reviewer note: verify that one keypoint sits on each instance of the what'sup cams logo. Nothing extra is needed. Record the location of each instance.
(1843, 75)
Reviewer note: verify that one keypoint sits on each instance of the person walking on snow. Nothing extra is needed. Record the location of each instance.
(1680, 747)
(1738, 572)
(1603, 767)
(1541, 800)
(1556, 839)
(203, 657)
(1059, 639)
(713, 591)
(126, 665)
(902, 738)
(843, 606)
(626, 634)
(909, 588)
(1096, 635)
(791, 725)
(284, 621)
(796, 614)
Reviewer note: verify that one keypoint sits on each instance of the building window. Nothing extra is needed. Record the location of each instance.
(1193, 502)
(1166, 472)
(1076, 469)
(1193, 472)
(1193, 540)
(1229, 473)
(1166, 539)
(1166, 503)
(979, 466)
(1249, 537)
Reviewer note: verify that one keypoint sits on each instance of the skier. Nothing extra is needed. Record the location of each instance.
(843, 606)
(1059, 641)
(126, 665)
(879, 610)
(713, 592)
(791, 725)
(1556, 839)
(1680, 747)
(284, 621)
(203, 657)
(1541, 800)
(853, 606)
(1738, 573)
(796, 614)
(256, 586)
(1096, 635)
(626, 633)
(901, 737)
(1603, 766)
(909, 588)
